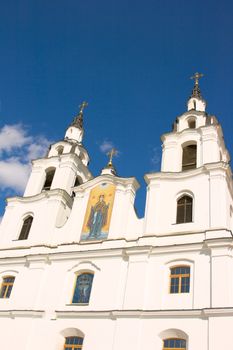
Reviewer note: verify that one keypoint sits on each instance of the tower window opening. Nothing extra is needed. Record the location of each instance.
(49, 179)
(27, 223)
(192, 123)
(60, 150)
(73, 148)
(184, 210)
(189, 158)
(78, 181)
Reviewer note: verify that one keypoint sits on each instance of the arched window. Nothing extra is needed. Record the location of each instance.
(179, 279)
(73, 343)
(174, 344)
(78, 181)
(73, 148)
(49, 178)
(184, 210)
(6, 286)
(192, 123)
(60, 150)
(189, 157)
(27, 223)
(82, 289)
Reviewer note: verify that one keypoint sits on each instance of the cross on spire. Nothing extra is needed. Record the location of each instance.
(197, 76)
(111, 154)
(78, 120)
(83, 105)
(196, 92)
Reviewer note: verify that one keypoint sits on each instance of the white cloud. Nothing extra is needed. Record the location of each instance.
(12, 137)
(17, 148)
(106, 146)
(39, 148)
(13, 174)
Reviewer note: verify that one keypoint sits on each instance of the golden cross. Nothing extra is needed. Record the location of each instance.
(197, 76)
(82, 106)
(111, 154)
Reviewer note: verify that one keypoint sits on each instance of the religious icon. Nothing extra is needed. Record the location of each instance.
(98, 213)
(98, 217)
(83, 288)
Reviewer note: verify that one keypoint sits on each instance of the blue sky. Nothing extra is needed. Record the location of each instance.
(131, 60)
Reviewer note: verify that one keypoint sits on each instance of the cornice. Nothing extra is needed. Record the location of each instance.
(133, 313)
(125, 182)
(57, 192)
(114, 314)
(203, 170)
(22, 313)
(206, 242)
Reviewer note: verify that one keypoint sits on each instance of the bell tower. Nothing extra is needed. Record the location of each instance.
(66, 163)
(195, 174)
(196, 138)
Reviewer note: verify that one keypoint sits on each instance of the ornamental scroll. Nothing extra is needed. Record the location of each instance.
(98, 214)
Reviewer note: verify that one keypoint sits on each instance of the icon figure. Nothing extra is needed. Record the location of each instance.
(97, 218)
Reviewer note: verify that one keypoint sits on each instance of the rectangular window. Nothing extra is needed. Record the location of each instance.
(6, 287)
(179, 279)
(73, 343)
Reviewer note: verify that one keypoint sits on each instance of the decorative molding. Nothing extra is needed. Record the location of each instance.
(173, 313)
(22, 313)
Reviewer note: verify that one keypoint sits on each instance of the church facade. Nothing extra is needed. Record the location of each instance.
(79, 269)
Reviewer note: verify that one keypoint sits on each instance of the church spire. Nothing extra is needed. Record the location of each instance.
(110, 169)
(196, 101)
(196, 92)
(75, 130)
(78, 120)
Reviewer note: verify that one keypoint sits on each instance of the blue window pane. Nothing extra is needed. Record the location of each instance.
(183, 343)
(2, 292)
(83, 288)
(175, 271)
(174, 285)
(185, 283)
(80, 341)
(71, 341)
(8, 293)
(174, 343)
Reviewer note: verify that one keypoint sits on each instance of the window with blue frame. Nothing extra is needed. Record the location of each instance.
(82, 289)
(73, 343)
(180, 279)
(6, 287)
(174, 344)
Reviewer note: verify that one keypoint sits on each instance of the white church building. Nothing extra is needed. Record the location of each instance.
(79, 269)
